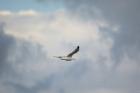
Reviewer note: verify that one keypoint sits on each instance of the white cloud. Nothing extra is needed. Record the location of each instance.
(19, 13)
(5, 13)
(55, 29)
(28, 13)
(68, 28)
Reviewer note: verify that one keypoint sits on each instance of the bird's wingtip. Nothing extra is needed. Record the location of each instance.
(78, 46)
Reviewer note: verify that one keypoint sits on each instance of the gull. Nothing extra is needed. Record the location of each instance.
(69, 56)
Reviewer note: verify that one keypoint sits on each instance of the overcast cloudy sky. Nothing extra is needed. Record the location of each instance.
(33, 31)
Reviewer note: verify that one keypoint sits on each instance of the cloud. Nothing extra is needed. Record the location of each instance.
(33, 37)
(20, 58)
(5, 13)
(6, 89)
(28, 13)
(121, 20)
(100, 30)
(122, 14)
(20, 13)
(58, 28)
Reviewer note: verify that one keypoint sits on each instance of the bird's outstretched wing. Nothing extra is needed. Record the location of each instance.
(73, 52)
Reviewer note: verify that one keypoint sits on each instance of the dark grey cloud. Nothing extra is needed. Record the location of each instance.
(16, 60)
(6, 42)
(126, 14)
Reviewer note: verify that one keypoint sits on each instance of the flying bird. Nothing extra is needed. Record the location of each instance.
(69, 56)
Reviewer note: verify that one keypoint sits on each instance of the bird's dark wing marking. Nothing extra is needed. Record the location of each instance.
(73, 52)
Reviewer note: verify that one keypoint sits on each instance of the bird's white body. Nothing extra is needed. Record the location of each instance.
(66, 58)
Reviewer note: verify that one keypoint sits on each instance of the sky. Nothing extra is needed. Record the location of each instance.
(33, 31)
